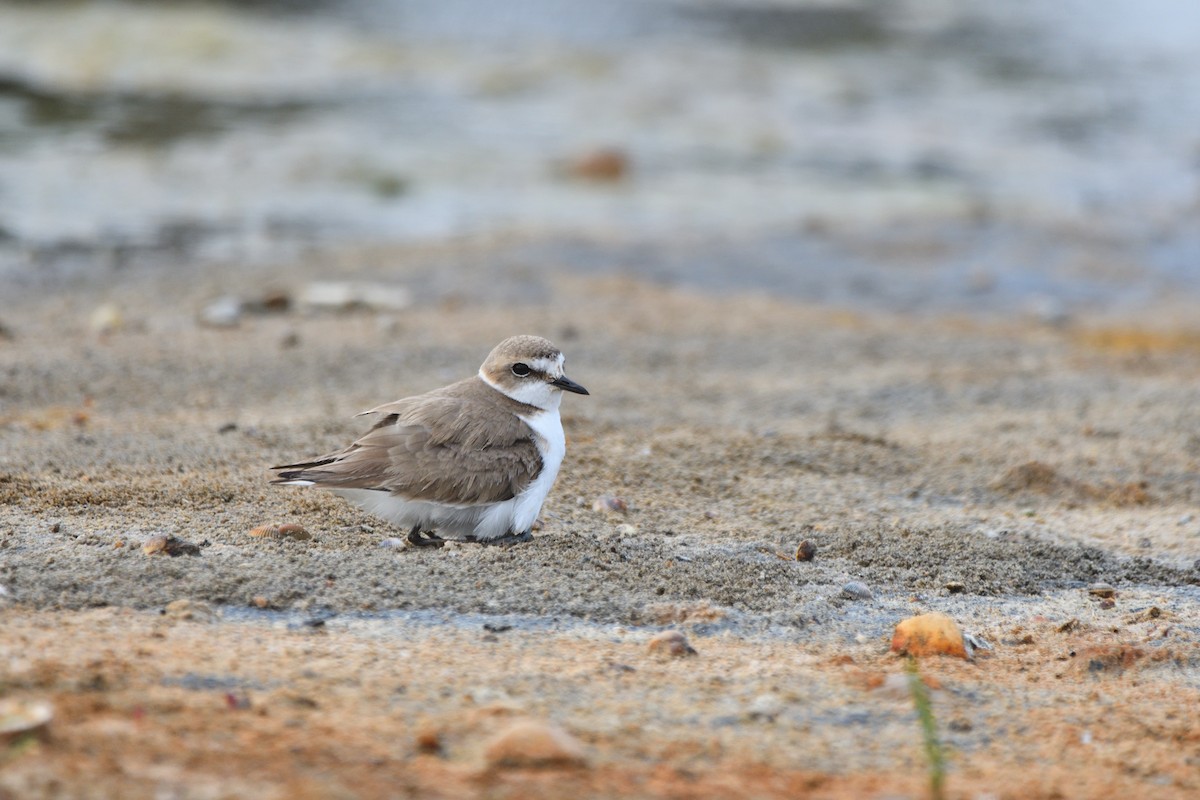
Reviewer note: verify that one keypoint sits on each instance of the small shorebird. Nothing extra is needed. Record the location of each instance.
(473, 460)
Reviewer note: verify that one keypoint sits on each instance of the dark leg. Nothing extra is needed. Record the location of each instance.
(509, 539)
(428, 540)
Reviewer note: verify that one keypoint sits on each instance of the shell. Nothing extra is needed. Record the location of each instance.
(294, 531)
(18, 717)
(286, 531)
(611, 504)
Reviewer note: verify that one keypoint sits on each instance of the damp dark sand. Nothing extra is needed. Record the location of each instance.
(990, 470)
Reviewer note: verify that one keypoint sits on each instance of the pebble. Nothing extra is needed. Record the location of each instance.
(275, 301)
(1102, 590)
(1145, 615)
(193, 610)
(765, 706)
(927, 635)
(168, 545)
(155, 545)
(224, 312)
(532, 743)
(671, 643)
(346, 295)
(605, 164)
(394, 543)
(806, 551)
(954, 587)
(106, 319)
(428, 737)
(857, 590)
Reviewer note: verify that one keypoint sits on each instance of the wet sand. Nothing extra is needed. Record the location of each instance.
(990, 470)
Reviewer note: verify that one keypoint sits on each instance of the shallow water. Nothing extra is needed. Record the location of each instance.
(917, 155)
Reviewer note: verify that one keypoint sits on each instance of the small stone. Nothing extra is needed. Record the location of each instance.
(1102, 590)
(192, 610)
(155, 545)
(224, 312)
(610, 504)
(1145, 615)
(604, 164)
(531, 743)
(106, 319)
(56, 527)
(1107, 603)
(168, 545)
(275, 301)
(347, 295)
(954, 587)
(857, 590)
(260, 602)
(428, 738)
(765, 706)
(671, 643)
(927, 635)
(394, 543)
(806, 551)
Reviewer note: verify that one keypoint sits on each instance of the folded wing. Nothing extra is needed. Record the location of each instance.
(464, 463)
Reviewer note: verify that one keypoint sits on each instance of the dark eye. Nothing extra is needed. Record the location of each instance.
(520, 370)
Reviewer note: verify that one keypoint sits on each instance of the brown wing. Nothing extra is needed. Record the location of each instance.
(433, 448)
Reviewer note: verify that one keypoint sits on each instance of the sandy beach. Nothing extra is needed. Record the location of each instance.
(996, 471)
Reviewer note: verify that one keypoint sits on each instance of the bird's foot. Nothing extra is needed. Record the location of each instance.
(418, 539)
(508, 539)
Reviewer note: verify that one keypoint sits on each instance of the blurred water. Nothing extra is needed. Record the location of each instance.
(914, 153)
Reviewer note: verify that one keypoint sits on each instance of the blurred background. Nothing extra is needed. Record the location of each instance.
(916, 155)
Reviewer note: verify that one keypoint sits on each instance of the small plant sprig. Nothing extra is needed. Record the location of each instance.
(935, 754)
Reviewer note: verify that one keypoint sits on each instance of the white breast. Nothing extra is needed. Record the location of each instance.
(517, 515)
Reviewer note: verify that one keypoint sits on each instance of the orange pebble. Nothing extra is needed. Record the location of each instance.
(928, 635)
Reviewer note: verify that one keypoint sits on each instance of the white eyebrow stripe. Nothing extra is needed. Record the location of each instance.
(549, 366)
